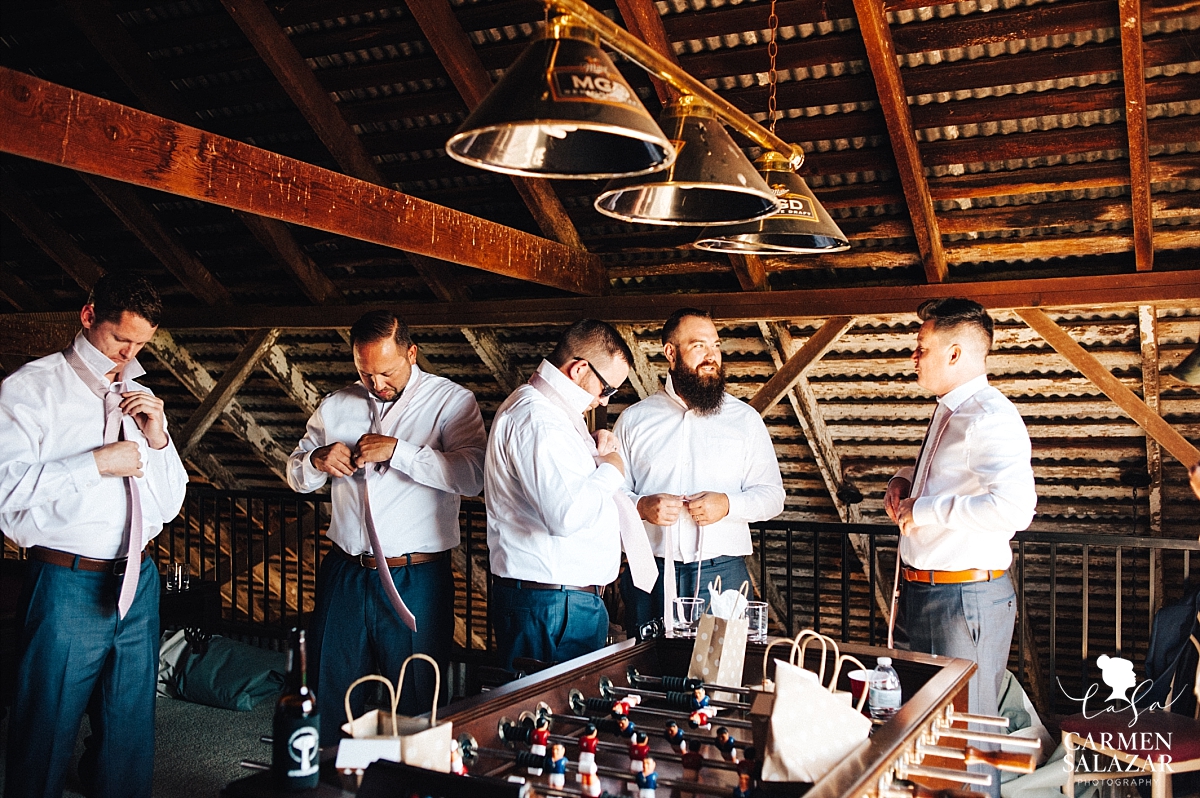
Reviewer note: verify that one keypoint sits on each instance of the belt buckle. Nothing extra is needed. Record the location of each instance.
(119, 566)
(366, 560)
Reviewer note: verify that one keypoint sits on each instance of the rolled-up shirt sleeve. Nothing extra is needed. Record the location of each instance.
(458, 466)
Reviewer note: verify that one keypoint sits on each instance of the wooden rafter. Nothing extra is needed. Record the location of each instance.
(641, 374)
(814, 348)
(1087, 364)
(893, 101)
(751, 272)
(232, 380)
(43, 231)
(1148, 336)
(45, 122)
(456, 53)
(1133, 66)
(283, 247)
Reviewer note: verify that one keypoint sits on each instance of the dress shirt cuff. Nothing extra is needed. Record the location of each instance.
(403, 456)
(904, 473)
(164, 450)
(83, 470)
(609, 477)
(310, 471)
(922, 511)
(737, 507)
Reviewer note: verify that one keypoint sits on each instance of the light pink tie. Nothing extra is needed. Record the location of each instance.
(372, 472)
(114, 430)
(633, 533)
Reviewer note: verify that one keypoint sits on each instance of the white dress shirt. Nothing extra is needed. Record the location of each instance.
(979, 488)
(670, 448)
(438, 458)
(51, 492)
(551, 516)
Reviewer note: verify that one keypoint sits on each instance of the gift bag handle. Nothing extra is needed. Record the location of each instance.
(744, 589)
(862, 699)
(437, 683)
(767, 654)
(797, 655)
(373, 677)
(825, 639)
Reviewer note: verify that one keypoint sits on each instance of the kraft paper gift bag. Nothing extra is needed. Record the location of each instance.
(811, 730)
(382, 734)
(719, 653)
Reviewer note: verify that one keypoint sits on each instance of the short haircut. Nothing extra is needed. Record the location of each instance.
(118, 292)
(675, 319)
(588, 338)
(378, 325)
(950, 313)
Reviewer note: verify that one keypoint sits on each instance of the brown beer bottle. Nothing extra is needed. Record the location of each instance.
(297, 752)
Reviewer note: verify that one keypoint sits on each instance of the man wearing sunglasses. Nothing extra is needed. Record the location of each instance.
(551, 490)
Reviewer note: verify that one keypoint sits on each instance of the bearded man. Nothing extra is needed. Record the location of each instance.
(700, 467)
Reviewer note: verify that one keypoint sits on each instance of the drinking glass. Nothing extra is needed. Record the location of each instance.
(756, 627)
(687, 616)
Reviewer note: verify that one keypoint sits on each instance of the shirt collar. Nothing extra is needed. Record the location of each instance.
(100, 364)
(963, 392)
(669, 389)
(413, 378)
(576, 398)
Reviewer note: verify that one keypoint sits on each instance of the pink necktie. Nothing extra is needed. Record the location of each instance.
(937, 426)
(633, 534)
(372, 472)
(114, 430)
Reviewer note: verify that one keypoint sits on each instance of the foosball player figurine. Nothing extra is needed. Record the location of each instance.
(557, 765)
(456, 761)
(699, 699)
(589, 782)
(674, 736)
(743, 789)
(701, 711)
(587, 745)
(749, 763)
(625, 726)
(726, 744)
(692, 762)
(623, 705)
(647, 779)
(639, 749)
(537, 741)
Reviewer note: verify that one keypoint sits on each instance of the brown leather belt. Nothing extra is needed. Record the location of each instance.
(77, 563)
(367, 559)
(950, 577)
(525, 584)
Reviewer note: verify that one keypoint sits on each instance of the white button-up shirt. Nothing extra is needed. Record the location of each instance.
(51, 493)
(669, 448)
(438, 458)
(551, 515)
(978, 489)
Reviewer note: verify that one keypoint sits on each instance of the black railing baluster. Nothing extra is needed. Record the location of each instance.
(845, 590)
(871, 590)
(790, 602)
(1054, 623)
(817, 580)
(1022, 618)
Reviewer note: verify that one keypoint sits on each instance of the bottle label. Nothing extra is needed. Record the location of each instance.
(882, 698)
(297, 750)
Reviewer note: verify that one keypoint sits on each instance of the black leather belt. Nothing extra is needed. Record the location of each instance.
(525, 584)
(75, 562)
(367, 559)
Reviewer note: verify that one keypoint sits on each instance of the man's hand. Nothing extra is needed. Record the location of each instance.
(897, 491)
(120, 459)
(614, 460)
(336, 459)
(147, 413)
(605, 441)
(374, 448)
(904, 517)
(707, 507)
(661, 509)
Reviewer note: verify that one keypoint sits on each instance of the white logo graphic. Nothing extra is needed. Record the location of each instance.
(303, 747)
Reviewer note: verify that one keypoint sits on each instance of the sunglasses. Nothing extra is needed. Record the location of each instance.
(606, 389)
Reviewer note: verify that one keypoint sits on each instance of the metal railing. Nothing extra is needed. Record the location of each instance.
(1076, 593)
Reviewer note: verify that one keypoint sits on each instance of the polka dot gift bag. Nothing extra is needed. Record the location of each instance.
(719, 652)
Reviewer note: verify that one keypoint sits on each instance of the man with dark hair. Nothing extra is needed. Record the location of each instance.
(700, 467)
(88, 476)
(402, 445)
(970, 491)
(553, 520)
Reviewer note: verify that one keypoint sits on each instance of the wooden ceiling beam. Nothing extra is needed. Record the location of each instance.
(1087, 364)
(893, 101)
(642, 376)
(1151, 391)
(39, 228)
(232, 380)
(278, 240)
(454, 50)
(1134, 71)
(53, 124)
(812, 351)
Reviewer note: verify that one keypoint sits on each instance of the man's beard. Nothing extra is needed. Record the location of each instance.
(705, 395)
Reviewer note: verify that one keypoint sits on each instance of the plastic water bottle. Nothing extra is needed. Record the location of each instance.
(884, 698)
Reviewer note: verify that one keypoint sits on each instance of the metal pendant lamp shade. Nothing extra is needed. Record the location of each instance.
(801, 227)
(710, 182)
(562, 110)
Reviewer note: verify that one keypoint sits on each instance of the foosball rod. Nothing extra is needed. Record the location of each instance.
(1011, 761)
(662, 756)
(681, 683)
(680, 718)
(518, 732)
(526, 759)
(611, 692)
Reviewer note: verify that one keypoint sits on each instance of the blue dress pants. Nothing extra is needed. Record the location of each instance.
(355, 631)
(641, 607)
(548, 625)
(73, 645)
(972, 621)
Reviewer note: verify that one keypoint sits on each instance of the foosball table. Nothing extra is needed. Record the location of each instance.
(507, 737)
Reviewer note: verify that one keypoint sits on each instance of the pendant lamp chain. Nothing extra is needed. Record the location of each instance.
(772, 76)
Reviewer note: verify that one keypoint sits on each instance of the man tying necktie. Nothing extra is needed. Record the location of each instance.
(556, 519)
(969, 492)
(88, 476)
(401, 447)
